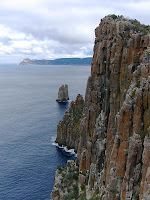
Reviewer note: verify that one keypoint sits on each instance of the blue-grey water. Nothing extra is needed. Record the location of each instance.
(29, 116)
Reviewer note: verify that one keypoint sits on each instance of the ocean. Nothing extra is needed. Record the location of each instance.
(29, 115)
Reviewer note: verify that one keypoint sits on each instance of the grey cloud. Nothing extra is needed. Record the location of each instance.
(67, 26)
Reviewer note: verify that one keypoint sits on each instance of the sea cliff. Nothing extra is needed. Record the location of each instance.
(110, 130)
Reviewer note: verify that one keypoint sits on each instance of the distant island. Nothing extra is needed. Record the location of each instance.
(59, 61)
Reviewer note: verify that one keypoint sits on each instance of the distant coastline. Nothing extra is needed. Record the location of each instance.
(59, 61)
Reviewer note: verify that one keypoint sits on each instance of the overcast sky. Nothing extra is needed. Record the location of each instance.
(48, 29)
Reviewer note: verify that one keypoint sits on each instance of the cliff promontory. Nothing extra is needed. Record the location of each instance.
(59, 61)
(112, 132)
(68, 128)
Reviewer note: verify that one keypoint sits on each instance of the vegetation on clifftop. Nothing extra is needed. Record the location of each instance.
(113, 138)
(136, 26)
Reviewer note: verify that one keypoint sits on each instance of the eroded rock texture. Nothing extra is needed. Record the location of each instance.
(63, 94)
(68, 128)
(112, 136)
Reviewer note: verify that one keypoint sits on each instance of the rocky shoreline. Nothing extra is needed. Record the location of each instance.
(110, 130)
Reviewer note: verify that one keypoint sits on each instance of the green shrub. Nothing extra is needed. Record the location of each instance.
(75, 189)
(94, 198)
(68, 190)
(136, 196)
(72, 176)
(127, 27)
(114, 191)
(97, 191)
(143, 134)
(96, 41)
(138, 83)
(83, 173)
(73, 194)
(69, 176)
(59, 169)
(77, 170)
(82, 187)
(138, 27)
(82, 197)
(102, 195)
(133, 92)
(113, 16)
(68, 164)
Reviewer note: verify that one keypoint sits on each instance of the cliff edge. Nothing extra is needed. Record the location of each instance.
(112, 132)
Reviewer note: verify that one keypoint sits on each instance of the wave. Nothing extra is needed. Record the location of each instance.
(64, 148)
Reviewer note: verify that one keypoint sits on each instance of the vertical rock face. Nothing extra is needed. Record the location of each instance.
(113, 133)
(63, 94)
(68, 128)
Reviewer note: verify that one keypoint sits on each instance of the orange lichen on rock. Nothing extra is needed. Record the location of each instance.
(113, 137)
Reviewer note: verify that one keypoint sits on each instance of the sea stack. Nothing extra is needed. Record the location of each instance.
(63, 94)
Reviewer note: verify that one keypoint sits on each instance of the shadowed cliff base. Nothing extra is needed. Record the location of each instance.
(110, 130)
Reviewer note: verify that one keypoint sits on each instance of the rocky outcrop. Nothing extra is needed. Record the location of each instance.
(68, 128)
(114, 131)
(66, 182)
(63, 94)
(26, 61)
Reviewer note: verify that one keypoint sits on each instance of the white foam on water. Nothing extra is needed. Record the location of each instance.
(71, 151)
